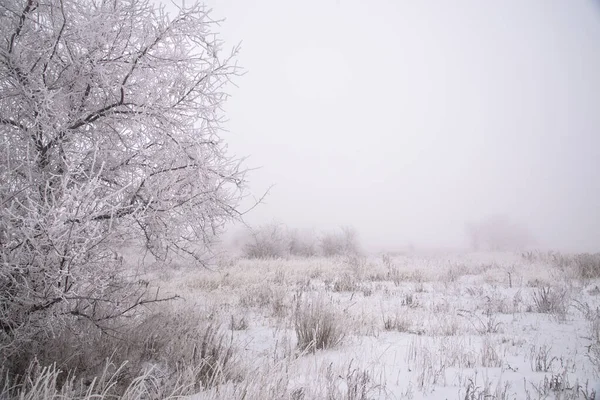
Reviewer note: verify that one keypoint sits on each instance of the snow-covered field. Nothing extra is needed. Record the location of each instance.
(470, 326)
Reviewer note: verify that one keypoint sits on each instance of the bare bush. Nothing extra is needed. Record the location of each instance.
(588, 265)
(340, 243)
(302, 243)
(109, 124)
(498, 233)
(278, 241)
(267, 241)
(346, 283)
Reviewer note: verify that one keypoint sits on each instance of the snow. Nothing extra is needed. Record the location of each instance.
(459, 328)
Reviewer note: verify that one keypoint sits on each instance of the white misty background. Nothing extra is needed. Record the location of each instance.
(409, 120)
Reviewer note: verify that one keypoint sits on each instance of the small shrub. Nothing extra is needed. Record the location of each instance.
(530, 256)
(259, 296)
(317, 325)
(485, 324)
(358, 384)
(489, 356)
(551, 301)
(238, 324)
(280, 277)
(315, 273)
(357, 264)
(485, 392)
(393, 273)
(342, 243)
(346, 283)
(279, 305)
(267, 241)
(560, 260)
(541, 358)
(302, 244)
(588, 265)
(408, 300)
(386, 259)
(446, 326)
(474, 392)
(552, 386)
(517, 301)
(397, 323)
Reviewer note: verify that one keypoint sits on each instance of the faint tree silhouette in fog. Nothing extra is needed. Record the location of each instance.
(342, 242)
(498, 233)
(267, 241)
(276, 240)
(302, 243)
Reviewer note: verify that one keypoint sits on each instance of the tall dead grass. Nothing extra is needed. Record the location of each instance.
(167, 352)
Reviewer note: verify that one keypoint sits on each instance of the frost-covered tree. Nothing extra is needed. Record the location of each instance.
(109, 129)
(498, 233)
(268, 241)
(342, 242)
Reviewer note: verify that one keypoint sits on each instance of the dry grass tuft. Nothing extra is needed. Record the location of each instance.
(346, 283)
(317, 325)
(588, 265)
(551, 300)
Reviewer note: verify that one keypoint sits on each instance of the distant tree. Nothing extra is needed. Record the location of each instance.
(498, 233)
(267, 241)
(342, 242)
(302, 243)
(278, 241)
(109, 127)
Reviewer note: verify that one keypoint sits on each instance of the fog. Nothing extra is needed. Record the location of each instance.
(409, 119)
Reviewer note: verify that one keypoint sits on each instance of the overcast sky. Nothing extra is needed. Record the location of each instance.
(406, 119)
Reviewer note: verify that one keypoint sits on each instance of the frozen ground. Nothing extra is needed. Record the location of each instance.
(475, 326)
